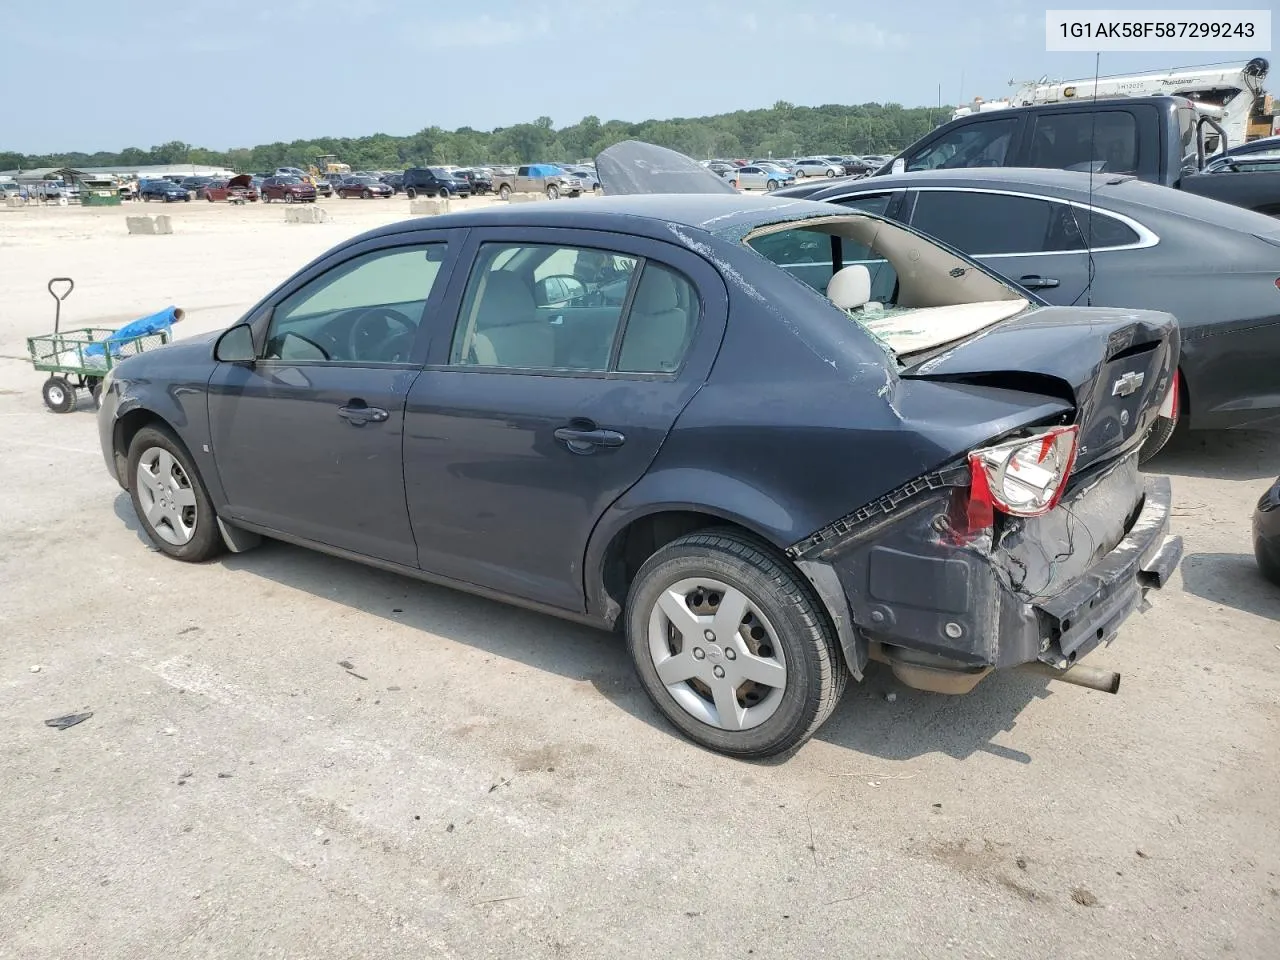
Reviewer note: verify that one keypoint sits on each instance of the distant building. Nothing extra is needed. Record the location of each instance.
(154, 172)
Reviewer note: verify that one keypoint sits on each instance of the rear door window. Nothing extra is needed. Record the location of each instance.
(542, 308)
(1104, 140)
(984, 144)
(995, 224)
(876, 203)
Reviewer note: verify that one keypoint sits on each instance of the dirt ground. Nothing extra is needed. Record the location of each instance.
(485, 782)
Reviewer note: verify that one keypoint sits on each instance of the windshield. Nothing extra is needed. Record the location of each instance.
(908, 293)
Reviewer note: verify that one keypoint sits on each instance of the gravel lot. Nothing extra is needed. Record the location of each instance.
(485, 782)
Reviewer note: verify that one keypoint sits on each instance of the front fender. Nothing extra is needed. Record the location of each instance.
(180, 401)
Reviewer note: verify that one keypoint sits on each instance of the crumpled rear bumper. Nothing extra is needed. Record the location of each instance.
(1049, 589)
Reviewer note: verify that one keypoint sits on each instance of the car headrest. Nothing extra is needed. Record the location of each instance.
(850, 288)
(656, 293)
(505, 300)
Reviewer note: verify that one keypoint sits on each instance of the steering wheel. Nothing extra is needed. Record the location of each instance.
(366, 342)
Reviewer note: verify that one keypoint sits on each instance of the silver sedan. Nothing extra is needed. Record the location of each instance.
(817, 167)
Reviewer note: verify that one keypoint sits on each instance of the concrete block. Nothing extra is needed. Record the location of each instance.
(427, 208)
(305, 213)
(525, 197)
(149, 225)
(15, 202)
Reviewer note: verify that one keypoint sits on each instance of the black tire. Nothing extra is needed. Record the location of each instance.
(411, 193)
(95, 390)
(366, 195)
(206, 541)
(59, 395)
(553, 192)
(1161, 433)
(816, 672)
(504, 192)
(771, 185)
(800, 174)
(1268, 561)
(146, 198)
(288, 198)
(443, 194)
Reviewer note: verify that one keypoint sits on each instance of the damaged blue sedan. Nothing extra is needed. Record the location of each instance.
(766, 442)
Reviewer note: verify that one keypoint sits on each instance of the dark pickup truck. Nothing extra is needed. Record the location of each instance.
(1159, 139)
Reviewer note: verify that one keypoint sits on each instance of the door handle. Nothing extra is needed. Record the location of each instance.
(358, 413)
(1034, 282)
(585, 439)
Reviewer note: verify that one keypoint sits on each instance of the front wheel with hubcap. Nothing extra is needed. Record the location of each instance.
(504, 192)
(771, 186)
(553, 192)
(732, 646)
(169, 497)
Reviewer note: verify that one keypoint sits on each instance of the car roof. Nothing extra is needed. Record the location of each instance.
(1104, 189)
(730, 216)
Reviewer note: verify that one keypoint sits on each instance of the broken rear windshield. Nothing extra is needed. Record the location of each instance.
(907, 292)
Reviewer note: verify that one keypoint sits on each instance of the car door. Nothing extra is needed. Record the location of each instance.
(1037, 242)
(308, 438)
(572, 355)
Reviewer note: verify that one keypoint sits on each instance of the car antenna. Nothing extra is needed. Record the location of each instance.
(1093, 133)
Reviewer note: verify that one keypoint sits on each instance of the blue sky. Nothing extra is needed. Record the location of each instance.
(229, 73)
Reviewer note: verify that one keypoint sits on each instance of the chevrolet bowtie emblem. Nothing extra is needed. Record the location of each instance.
(1127, 384)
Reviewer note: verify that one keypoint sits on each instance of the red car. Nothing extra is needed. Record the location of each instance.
(364, 187)
(288, 189)
(240, 187)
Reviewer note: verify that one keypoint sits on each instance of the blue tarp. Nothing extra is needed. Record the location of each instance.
(164, 320)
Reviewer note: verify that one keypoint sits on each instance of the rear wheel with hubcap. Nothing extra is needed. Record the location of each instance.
(504, 192)
(169, 497)
(732, 646)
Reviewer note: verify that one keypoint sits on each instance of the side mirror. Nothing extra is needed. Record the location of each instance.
(236, 345)
(559, 290)
(899, 165)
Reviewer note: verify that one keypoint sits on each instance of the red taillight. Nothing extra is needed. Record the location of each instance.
(1023, 477)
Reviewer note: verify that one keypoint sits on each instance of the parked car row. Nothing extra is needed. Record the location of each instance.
(772, 173)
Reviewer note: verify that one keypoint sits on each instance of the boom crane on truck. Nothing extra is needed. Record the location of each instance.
(1231, 93)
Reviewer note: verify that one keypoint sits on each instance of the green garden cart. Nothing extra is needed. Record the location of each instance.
(79, 359)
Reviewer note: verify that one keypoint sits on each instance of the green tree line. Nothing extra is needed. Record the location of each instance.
(781, 130)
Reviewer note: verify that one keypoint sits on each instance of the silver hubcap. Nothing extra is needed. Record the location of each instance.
(56, 395)
(164, 490)
(717, 654)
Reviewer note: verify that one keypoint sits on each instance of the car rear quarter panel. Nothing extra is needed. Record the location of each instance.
(1221, 285)
(804, 419)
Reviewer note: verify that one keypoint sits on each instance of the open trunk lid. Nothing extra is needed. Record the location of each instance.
(1114, 365)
